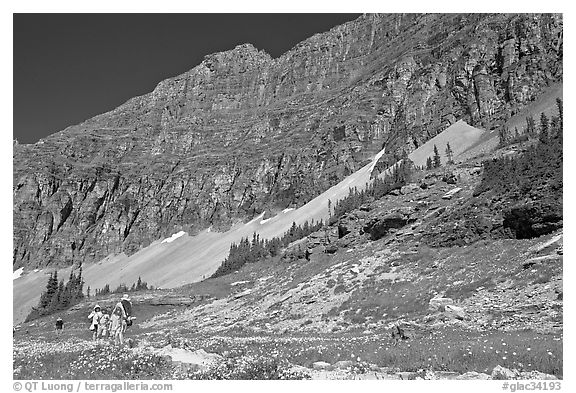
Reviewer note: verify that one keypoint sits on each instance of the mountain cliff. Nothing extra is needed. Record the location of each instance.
(242, 132)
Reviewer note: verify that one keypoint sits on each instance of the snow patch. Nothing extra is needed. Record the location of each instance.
(287, 210)
(173, 237)
(260, 217)
(375, 160)
(266, 220)
(16, 274)
(239, 283)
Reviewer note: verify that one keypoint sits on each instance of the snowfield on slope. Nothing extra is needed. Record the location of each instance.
(174, 237)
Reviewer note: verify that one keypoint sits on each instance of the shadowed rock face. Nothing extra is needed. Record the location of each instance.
(242, 132)
(534, 219)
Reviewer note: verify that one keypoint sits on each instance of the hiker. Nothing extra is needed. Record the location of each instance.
(124, 310)
(59, 326)
(95, 316)
(127, 305)
(397, 333)
(103, 325)
(117, 326)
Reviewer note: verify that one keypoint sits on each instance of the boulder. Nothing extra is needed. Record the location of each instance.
(449, 178)
(473, 375)
(331, 248)
(407, 375)
(344, 228)
(410, 188)
(343, 364)
(200, 358)
(533, 219)
(446, 375)
(317, 250)
(502, 373)
(440, 303)
(378, 227)
(451, 193)
(454, 311)
(429, 180)
(322, 366)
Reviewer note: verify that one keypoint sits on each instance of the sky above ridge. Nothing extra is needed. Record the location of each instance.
(71, 67)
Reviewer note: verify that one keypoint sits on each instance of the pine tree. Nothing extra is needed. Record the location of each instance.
(66, 297)
(530, 126)
(437, 162)
(51, 291)
(80, 285)
(429, 164)
(55, 303)
(559, 106)
(554, 125)
(503, 136)
(449, 153)
(543, 137)
(558, 134)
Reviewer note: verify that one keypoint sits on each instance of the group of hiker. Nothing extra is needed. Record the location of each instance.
(104, 325)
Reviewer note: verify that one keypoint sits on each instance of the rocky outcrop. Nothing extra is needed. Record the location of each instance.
(242, 133)
(533, 219)
(379, 227)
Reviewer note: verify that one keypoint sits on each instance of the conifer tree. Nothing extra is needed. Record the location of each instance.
(429, 164)
(503, 136)
(51, 291)
(559, 106)
(449, 153)
(437, 162)
(55, 303)
(554, 125)
(530, 126)
(543, 128)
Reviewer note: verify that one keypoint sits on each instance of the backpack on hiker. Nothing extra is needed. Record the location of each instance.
(127, 306)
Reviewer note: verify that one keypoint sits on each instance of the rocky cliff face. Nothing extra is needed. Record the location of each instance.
(242, 132)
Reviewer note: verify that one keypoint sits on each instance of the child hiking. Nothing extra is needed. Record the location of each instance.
(95, 316)
(103, 325)
(59, 326)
